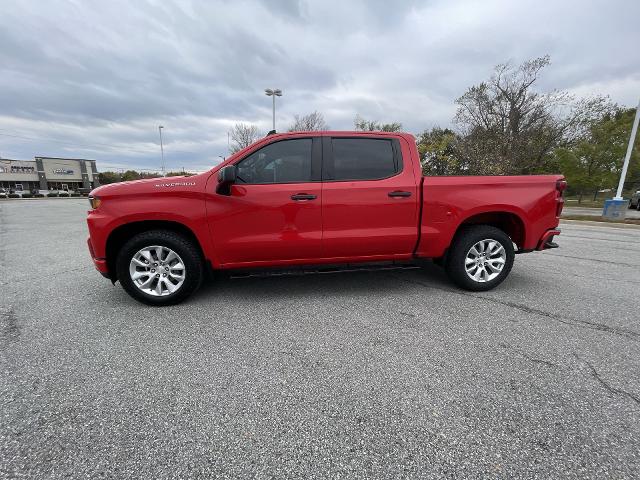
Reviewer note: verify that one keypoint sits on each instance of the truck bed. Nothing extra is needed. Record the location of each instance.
(528, 207)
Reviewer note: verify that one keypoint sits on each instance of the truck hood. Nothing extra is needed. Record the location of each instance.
(148, 185)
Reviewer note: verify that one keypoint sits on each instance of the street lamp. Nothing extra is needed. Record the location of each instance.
(160, 127)
(273, 93)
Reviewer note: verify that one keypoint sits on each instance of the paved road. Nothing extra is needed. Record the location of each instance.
(386, 374)
(596, 212)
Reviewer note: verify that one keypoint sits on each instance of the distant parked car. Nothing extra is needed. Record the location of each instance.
(3, 193)
(635, 201)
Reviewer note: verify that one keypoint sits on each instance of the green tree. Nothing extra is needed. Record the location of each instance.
(108, 177)
(438, 149)
(149, 174)
(374, 126)
(130, 175)
(594, 162)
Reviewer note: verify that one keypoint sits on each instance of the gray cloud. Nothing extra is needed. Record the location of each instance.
(95, 79)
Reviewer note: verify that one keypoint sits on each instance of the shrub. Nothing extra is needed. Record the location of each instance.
(38, 195)
(14, 195)
(52, 194)
(75, 194)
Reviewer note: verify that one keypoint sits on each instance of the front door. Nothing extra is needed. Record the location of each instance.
(273, 212)
(369, 198)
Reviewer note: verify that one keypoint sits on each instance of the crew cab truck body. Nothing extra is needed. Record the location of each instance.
(313, 198)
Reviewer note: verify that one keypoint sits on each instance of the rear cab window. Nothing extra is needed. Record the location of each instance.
(360, 158)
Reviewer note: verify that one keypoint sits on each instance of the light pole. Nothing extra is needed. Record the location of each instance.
(273, 94)
(160, 127)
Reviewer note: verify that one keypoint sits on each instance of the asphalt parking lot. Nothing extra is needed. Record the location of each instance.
(368, 374)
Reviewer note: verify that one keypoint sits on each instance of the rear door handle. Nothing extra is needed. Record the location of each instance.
(303, 196)
(399, 193)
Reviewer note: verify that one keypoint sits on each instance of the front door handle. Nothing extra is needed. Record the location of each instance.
(303, 196)
(399, 193)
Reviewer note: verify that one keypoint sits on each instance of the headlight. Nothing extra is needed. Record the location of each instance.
(94, 202)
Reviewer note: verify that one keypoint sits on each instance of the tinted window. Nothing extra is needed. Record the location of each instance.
(281, 162)
(362, 159)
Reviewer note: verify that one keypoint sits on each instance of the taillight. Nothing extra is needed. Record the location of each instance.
(561, 186)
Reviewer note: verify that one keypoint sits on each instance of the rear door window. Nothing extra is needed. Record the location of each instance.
(363, 159)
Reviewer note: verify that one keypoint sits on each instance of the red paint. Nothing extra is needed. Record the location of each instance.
(348, 221)
(261, 223)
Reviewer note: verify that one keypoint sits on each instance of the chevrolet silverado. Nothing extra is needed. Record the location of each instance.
(317, 198)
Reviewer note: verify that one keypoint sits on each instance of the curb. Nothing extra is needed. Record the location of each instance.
(601, 224)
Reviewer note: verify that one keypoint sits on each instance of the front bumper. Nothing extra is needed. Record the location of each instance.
(99, 263)
(546, 242)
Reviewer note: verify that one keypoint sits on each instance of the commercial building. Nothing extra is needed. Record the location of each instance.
(48, 173)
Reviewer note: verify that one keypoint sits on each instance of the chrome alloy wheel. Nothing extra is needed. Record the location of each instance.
(485, 260)
(157, 270)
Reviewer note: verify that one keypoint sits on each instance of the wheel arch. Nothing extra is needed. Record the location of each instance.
(119, 236)
(509, 222)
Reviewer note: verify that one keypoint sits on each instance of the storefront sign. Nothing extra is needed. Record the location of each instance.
(12, 166)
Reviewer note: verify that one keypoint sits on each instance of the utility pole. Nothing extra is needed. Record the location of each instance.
(625, 165)
(273, 93)
(160, 127)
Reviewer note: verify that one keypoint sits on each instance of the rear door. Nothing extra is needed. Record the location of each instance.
(369, 198)
(273, 212)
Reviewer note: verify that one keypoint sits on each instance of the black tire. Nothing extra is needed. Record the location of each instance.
(188, 252)
(461, 246)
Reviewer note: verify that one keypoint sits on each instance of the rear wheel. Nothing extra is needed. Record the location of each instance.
(480, 258)
(159, 267)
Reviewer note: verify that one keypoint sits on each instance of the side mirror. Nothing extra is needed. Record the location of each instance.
(226, 177)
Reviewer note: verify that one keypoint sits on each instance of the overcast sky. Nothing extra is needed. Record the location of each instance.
(95, 79)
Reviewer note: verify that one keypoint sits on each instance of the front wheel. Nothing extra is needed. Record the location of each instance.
(159, 267)
(480, 258)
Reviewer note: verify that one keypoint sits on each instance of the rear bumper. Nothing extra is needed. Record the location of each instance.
(99, 263)
(546, 242)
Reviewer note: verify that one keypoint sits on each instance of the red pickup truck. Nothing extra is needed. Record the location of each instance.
(317, 198)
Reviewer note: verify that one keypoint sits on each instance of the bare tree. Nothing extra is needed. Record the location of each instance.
(508, 127)
(308, 123)
(243, 135)
(374, 126)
